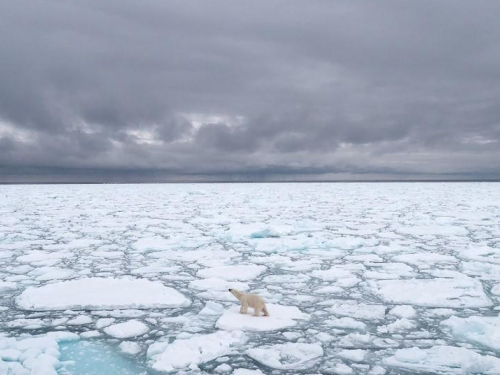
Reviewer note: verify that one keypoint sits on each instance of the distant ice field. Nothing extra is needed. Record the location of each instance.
(360, 278)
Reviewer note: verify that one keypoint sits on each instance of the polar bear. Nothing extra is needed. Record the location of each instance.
(250, 300)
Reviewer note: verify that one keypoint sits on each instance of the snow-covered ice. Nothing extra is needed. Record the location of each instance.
(374, 279)
(459, 292)
(280, 317)
(445, 360)
(239, 272)
(287, 356)
(476, 329)
(125, 330)
(183, 353)
(100, 293)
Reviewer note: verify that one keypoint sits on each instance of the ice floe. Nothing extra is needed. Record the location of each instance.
(233, 273)
(125, 330)
(460, 292)
(476, 329)
(444, 359)
(186, 353)
(100, 293)
(280, 317)
(288, 356)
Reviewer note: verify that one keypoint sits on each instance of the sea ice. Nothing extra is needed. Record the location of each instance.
(100, 293)
(288, 356)
(280, 317)
(131, 328)
(233, 273)
(182, 353)
(476, 329)
(356, 310)
(444, 359)
(403, 311)
(462, 292)
(213, 283)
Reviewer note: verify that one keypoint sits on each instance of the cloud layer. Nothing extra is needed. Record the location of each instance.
(124, 90)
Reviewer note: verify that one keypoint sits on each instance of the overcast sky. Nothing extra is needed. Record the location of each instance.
(119, 90)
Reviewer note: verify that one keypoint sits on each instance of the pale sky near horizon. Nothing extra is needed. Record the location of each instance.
(120, 90)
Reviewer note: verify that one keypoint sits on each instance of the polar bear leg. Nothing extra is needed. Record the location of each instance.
(244, 307)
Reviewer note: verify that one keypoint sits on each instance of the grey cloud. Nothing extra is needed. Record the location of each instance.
(261, 88)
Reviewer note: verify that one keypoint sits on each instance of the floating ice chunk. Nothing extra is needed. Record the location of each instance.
(155, 268)
(230, 273)
(429, 258)
(6, 286)
(35, 256)
(476, 329)
(495, 290)
(280, 317)
(198, 255)
(364, 258)
(355, 340)
(90, 334)
(399, 325)
(356, 310)
(243, 371)
(331, 289)
(389, 271)
(217, 295)
(332, 274)
(212, 308)
(100, 293)
(51, 273)
(223, 368)
(440, 312)
(481, 253)
(180, 354)
(346, 323)
(152, 244)
(341, 369)
(132, 328)
(486, 271)
(436, 230)
(36, 355)
(130, 347)
(80, 320)
(355, 355)
(213, 283)
(462, 292)
(282, 279)
(287, 356)
(104, 322)
(377, 370)
(403, 311)
(444, 359)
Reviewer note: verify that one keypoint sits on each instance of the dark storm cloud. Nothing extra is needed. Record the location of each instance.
(290, 89)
